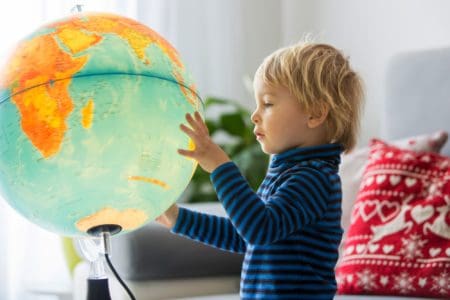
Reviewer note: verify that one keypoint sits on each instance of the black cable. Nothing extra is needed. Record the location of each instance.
(118, 277)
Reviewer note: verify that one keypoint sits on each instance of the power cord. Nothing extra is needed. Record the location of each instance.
(105, 231)
(118, 277)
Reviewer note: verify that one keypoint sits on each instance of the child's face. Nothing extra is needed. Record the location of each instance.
(280, 122)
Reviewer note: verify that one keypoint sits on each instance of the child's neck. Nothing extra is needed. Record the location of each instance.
(316, 137)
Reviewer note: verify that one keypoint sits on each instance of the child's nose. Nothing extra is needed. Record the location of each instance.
(254, 117)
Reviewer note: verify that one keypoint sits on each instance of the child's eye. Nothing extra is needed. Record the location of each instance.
(268, 104)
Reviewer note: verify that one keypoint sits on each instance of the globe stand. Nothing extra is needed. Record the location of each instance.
(97, 250)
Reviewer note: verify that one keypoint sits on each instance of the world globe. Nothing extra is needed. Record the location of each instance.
(90, 108)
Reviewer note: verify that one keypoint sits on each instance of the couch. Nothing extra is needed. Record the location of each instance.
(159, 265)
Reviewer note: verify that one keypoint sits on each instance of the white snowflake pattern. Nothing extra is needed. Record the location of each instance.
(434, 189)
(339, 279)
(412, 246)
(404, 283)
(443, 164)
(366, 280)
(406, 157)
(377, 155)
(441, 283)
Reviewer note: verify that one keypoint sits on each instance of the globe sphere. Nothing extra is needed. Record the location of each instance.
(90, 108)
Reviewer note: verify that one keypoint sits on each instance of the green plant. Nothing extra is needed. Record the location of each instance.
(230, 127)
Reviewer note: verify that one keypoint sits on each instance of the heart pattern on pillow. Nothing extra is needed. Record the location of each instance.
(421, 213)
(399, 238)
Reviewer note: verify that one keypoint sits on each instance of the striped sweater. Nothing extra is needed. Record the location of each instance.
(289, 229)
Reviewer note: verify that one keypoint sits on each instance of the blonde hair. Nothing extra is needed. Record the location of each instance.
(320, 76)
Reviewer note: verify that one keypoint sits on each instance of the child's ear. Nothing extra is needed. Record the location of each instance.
(318, 117)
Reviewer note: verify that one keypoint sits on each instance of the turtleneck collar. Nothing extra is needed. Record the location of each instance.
(327, 152)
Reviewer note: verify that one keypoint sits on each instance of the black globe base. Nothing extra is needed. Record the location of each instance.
(98, 289)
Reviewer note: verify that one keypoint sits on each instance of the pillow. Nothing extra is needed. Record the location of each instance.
(353, 165)
(398, 242)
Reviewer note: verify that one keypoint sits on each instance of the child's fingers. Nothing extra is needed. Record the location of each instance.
(193, 122)
(187, 153)
(197, 123)
(191, 133)
(200, 122)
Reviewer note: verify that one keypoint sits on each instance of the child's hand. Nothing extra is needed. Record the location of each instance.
(169, 217)
(208, 154)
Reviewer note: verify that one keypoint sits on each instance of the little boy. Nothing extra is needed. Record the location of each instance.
(308, 106)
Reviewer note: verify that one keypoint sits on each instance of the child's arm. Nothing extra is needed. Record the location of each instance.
(300, 200)
(208, 229)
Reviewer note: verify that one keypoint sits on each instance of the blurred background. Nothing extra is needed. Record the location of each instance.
(222, 42)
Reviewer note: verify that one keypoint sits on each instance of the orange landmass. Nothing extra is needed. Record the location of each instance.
(87, 114)
(191, 145)
(128, 219)
(150, 180)
(136, 34)
(43, 102)
(189, 93)
(77, 40)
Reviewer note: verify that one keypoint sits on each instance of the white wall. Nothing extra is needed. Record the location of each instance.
(219, 41)
(370, 32)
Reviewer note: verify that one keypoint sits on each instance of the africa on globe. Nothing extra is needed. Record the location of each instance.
(90, 108)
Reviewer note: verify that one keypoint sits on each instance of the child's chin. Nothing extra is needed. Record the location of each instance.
(267, 150)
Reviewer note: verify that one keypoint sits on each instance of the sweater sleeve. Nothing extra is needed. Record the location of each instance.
(300, 200)
(209, 229)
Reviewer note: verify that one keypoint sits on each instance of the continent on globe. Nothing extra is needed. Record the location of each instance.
(89, 113)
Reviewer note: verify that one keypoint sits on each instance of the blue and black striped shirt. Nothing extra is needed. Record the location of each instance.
(289, 229)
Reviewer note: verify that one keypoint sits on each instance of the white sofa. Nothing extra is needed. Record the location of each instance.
(159, 265)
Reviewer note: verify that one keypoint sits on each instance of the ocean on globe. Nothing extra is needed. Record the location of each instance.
(90, 108)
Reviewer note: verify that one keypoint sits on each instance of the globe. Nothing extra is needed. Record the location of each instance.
(90, 108)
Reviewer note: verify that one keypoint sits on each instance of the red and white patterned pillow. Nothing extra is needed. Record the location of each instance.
(398, 242)
(353, 165)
